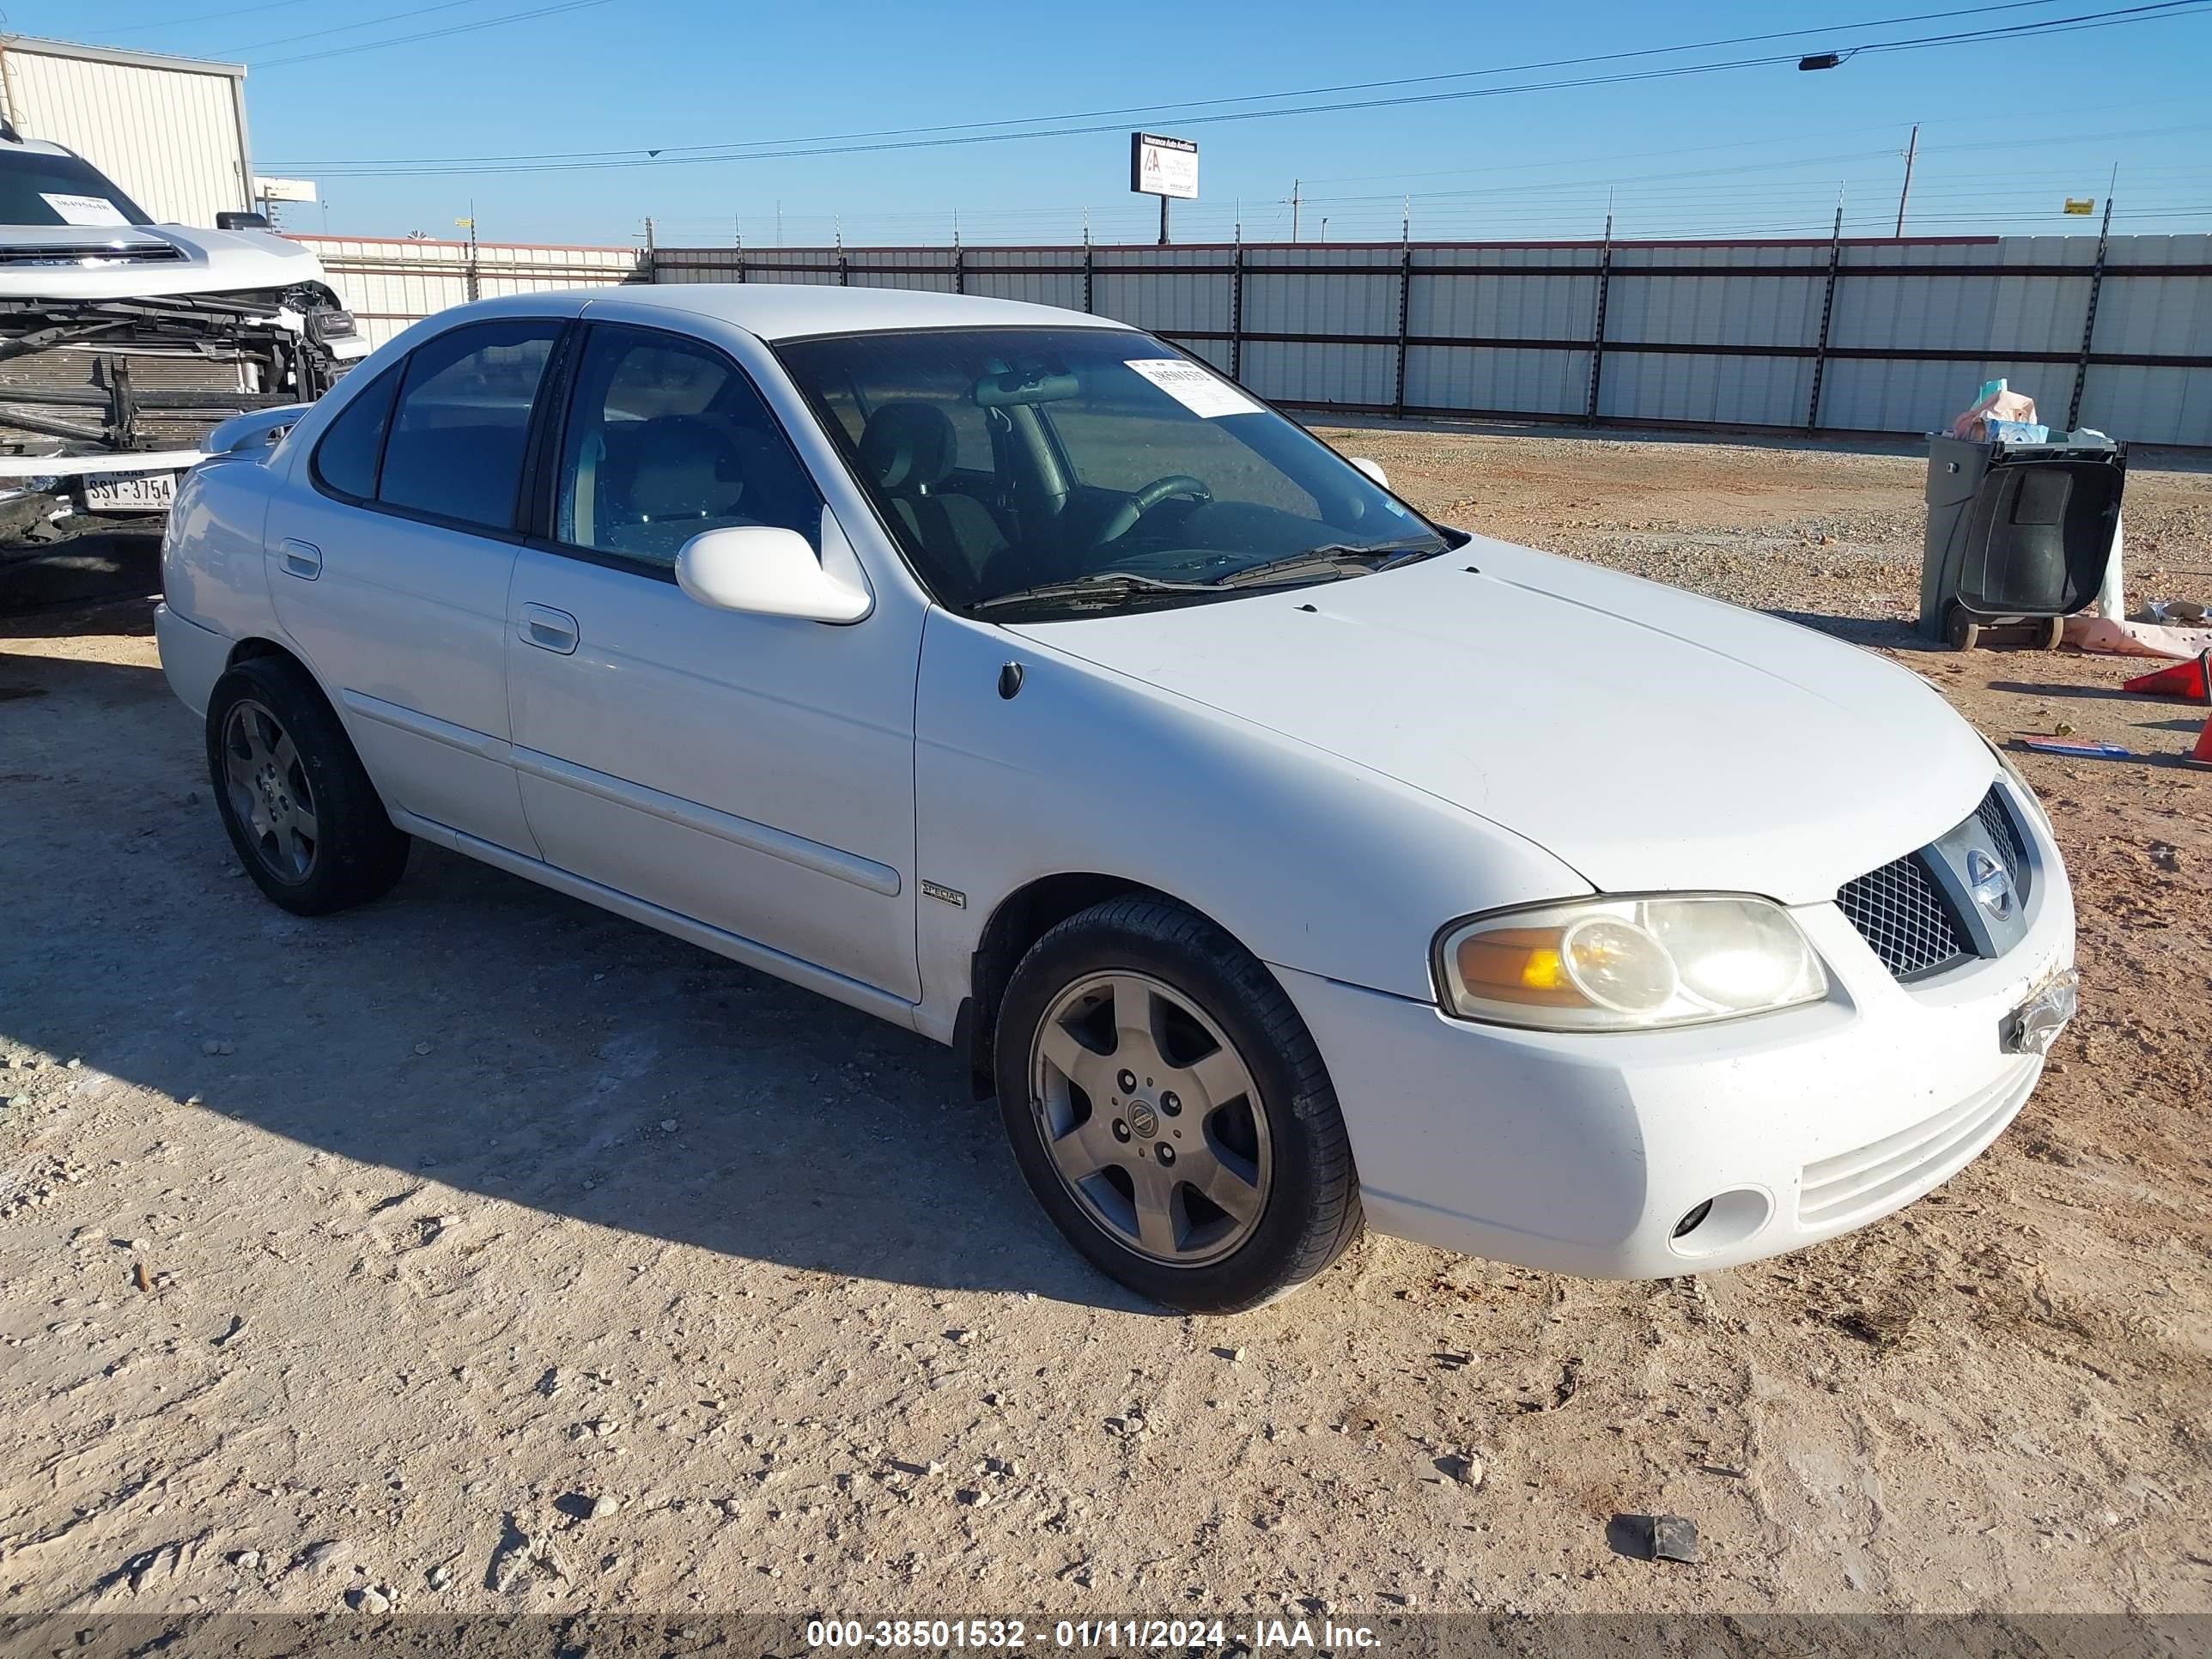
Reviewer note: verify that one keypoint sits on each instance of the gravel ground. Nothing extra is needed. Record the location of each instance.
(478, 1251)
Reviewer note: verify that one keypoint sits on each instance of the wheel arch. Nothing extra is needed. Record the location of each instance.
(259, 646)
(255, 645)
(1018, 921)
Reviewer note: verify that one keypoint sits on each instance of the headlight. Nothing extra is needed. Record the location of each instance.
(2019, 788)
(1627, 964)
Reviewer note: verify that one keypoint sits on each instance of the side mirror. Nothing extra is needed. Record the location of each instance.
(766, 572)
(241, 221)
(1374, 473)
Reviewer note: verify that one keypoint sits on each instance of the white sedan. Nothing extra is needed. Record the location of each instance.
(1284, 862)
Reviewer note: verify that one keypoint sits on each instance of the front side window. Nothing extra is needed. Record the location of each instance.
(38, 189)
(462, 422)
(666, 438)
(1096, 463)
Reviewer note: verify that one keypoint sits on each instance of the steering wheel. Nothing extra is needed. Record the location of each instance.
(1124, 518)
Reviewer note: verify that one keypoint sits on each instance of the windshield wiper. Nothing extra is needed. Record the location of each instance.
(1103, 589)
(1340, 558)
(1108, 589)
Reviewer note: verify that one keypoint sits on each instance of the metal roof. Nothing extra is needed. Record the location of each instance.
(159, 60)
(781, 310)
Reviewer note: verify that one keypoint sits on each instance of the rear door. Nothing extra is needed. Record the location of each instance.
(391, 560)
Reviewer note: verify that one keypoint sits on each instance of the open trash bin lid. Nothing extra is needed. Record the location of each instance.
(2018, 529)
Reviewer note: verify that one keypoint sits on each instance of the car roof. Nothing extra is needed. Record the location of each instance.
(784, 310)
(37, 147)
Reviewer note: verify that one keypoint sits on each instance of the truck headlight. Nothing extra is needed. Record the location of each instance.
(1627, 964)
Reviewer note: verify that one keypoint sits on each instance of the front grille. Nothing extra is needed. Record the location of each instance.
(1898, 910)
(1996, 819)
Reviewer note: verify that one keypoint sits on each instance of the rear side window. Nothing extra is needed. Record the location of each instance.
(345, 460)
(462, 420)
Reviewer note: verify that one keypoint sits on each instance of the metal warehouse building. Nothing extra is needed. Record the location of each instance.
(170, 130)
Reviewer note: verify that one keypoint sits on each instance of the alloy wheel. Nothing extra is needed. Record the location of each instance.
(269, 791)
(1151, 1118)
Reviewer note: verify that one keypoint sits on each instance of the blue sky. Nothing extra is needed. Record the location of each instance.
(2011, 128)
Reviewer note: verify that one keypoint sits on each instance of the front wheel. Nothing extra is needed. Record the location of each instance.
(1170, 1110)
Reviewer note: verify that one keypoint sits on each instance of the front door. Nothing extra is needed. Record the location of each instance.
(391, 573)
(753, 772)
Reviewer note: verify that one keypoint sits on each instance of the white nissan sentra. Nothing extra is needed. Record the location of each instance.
(1283, 862)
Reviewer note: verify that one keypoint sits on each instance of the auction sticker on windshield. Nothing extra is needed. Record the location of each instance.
(84, 210)
(1197, 390)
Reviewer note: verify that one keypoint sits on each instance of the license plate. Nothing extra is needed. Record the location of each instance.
(2032, 1027)
(148, 492)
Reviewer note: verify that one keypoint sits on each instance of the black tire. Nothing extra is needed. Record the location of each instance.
(356, 853)
(1310, 1211)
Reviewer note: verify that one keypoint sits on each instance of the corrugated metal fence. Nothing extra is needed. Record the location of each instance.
(1849, 335)
(389, 282)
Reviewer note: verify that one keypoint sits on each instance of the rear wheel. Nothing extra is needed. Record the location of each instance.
(293, 794)
(1169, 1110)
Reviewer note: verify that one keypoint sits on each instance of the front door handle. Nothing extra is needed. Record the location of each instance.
(301, 559)
(548, 629)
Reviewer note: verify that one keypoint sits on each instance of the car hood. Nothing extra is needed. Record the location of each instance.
(1647, 738)
(144, 262)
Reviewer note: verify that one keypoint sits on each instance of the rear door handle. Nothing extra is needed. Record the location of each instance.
(301, 559)
(548, 629)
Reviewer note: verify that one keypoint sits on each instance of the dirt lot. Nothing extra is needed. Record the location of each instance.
(330, 1252)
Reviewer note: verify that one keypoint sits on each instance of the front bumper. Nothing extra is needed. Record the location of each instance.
(1583, 1153)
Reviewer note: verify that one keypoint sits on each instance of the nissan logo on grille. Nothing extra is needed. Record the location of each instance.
(1987, 881)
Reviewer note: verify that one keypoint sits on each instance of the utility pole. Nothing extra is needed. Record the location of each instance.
(1911, 149)
(1294, 209)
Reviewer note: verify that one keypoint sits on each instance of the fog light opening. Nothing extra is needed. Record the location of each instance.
(1723, 1222)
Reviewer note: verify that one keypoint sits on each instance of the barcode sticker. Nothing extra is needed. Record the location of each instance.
(1197, 389)
(84, 210)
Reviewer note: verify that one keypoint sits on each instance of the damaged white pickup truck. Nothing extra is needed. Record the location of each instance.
(123, 343)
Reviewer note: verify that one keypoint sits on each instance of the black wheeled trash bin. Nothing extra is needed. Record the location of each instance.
(2018, 534)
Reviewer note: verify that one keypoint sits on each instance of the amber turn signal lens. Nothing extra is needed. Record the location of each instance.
(1523, 964)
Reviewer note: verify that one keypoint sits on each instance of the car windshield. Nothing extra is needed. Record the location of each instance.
(1053, 470)
(38, 189)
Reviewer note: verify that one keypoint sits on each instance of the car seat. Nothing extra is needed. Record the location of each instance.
(908, 449)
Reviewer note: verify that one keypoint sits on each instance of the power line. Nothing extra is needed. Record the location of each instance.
(433, 34)
(342, 28)
(1210, 103)
(212, 16)
(754, 150)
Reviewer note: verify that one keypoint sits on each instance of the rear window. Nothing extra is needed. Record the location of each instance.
(37, 189)
(345, 460)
